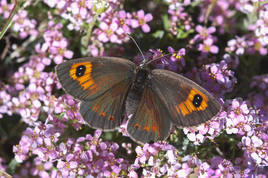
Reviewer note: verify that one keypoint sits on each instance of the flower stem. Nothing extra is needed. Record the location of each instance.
(9, 20)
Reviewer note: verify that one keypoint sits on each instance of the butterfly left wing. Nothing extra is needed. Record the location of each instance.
(151, 121)
(101, 84)
(88, 78)
(188, 103)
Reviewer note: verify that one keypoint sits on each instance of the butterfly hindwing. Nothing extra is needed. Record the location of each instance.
(188, 103)
(106, 111)
(88, 78)
(151, 120)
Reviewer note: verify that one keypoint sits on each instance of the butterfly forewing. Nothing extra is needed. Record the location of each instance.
(88, 78)
(151, 121)
(188, 103)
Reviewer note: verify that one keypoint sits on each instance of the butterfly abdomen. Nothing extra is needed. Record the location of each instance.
(135, 92)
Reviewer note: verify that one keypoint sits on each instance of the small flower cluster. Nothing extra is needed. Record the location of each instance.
(160, 159)
(32, 96)
(255, 145)
(259, 98)
(55, 44)
(24, 26)
(84, 156)
(115, 25)
(180, 21)
(65, 111)
(5, 8)
(257, 40)
(239, 118)
(205, 39)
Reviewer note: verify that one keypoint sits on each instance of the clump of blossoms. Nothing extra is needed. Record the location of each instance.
(161, 159)
(23, 25)
(257, 40)
(204, 42)
(55, 44)
(87, 155)
(259, 98)
(115, 25)
(180, 21)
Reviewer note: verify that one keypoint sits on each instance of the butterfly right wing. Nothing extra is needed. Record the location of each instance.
(188, 103)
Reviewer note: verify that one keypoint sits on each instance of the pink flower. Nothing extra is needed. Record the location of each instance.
(204, 32)
(24, 25)
(59, 50)
(142, 20)
(5, 8)
(107, 32)
(124, 20)
(208, 46)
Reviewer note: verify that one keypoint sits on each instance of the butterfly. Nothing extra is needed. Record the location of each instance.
(110, 88)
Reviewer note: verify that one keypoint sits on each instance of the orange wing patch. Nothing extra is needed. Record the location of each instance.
(186, 107)
(111, 117)
(103, 114)
(155, 129)
(146, 128)
(85, 81)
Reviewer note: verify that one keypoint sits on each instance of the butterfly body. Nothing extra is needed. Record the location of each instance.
(110, 88)
(136, 90)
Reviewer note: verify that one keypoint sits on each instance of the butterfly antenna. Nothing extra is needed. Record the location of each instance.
(148, 62)
(137, 47)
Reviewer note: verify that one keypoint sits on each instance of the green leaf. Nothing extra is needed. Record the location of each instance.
(159, 34)
(166, 22)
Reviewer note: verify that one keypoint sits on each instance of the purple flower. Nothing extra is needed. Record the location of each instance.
(238, 45)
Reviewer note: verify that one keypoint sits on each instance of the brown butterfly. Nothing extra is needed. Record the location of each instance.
(110, 87)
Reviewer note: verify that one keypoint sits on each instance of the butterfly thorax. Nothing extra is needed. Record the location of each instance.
(136, 89)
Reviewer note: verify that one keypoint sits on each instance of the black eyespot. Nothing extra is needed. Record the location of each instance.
(80, 71)
(197, 100)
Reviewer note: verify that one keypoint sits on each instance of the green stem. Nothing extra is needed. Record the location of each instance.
(89, 30)
(9, 20)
